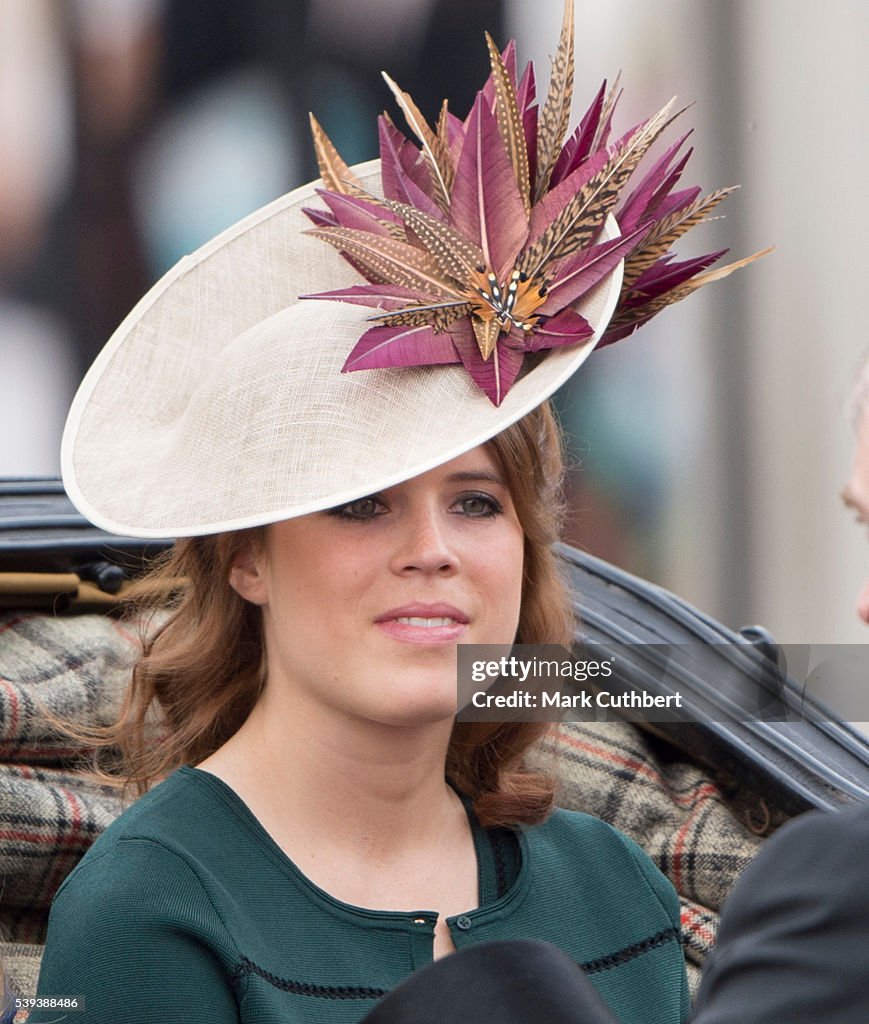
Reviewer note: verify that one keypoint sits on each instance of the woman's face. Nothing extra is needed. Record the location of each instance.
(363, 605)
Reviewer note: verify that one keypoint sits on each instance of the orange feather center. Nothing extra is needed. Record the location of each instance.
(509, 306)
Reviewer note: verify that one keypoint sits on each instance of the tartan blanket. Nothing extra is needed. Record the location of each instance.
(675, 810)
(77, 668)
(21, 962)
(74, 668)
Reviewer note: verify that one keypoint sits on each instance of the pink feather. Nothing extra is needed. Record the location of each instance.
(494, 375)
(576, 149)
(355, 212)
(567, 328)
(582, 270)
(389, 347)
(486, 206)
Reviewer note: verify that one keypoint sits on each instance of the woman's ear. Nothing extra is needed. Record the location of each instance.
(248, 573)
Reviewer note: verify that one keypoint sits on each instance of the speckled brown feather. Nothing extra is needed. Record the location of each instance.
(443, 127)
(606, 113)
(336, 175)
(628, 316)
(668, 231)
(486, 333)
(583, 216)
(397, 262)
(555, 115)
(439, 317)
(510, 122)
(455, 255)
(436, 154)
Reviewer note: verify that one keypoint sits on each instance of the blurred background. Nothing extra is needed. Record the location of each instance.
(709, 450)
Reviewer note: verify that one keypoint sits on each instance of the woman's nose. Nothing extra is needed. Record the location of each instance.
(426, 543)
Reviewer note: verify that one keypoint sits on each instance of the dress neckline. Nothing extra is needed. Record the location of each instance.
(489, 881)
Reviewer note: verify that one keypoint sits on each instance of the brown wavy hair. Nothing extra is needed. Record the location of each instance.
(202, 669)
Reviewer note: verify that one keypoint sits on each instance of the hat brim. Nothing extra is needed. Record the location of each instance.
(219, 403)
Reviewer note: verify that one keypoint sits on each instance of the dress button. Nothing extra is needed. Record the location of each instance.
(420, 920)
(463, 922)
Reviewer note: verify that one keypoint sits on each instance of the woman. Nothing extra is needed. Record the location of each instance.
(317, 855)
(326, 827)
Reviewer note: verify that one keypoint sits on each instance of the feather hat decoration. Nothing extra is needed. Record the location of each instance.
(490, 229)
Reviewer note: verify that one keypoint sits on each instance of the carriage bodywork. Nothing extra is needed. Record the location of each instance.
(699, 790)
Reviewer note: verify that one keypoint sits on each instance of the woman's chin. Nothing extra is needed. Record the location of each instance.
(418, 709)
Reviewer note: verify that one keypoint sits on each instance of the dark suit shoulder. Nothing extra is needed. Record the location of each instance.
(792, 945)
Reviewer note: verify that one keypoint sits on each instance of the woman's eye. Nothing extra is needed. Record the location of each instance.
(361, 509)
(478, 506)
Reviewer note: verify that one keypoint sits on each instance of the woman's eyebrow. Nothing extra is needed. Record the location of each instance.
(472, 475)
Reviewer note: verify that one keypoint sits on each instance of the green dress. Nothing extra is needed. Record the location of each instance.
(186, 911)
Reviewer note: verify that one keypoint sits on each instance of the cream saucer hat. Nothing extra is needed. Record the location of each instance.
(220, 401)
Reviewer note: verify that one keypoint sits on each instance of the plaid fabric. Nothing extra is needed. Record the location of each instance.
(78, 667)
(21, 963)
(48, 819)
(673, 809)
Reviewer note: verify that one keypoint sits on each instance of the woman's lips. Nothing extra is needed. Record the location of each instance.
(424, 624)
